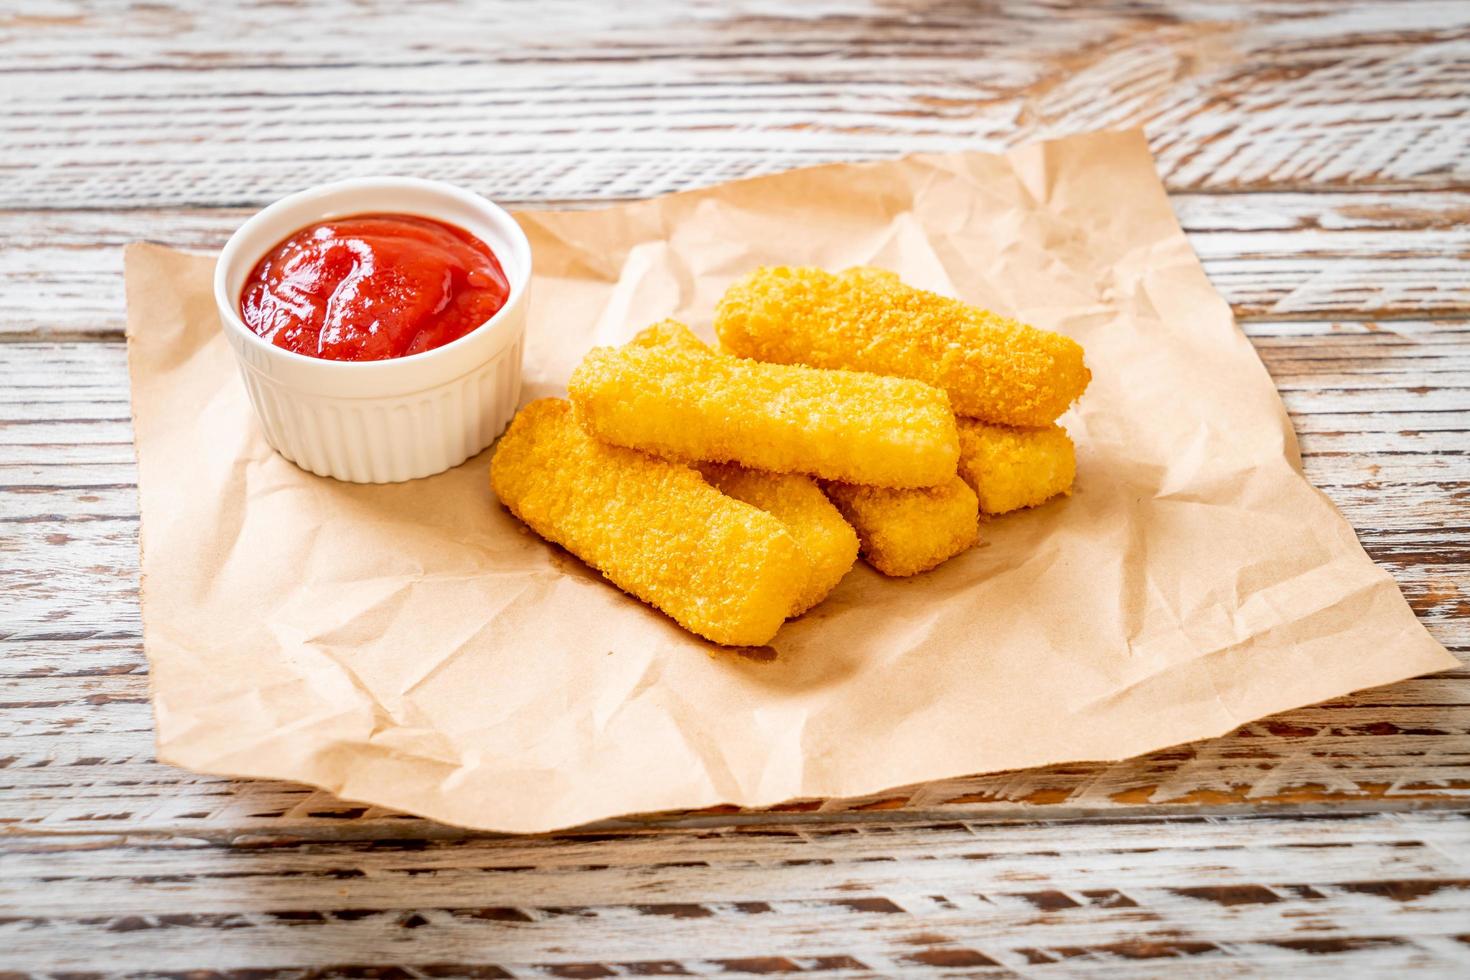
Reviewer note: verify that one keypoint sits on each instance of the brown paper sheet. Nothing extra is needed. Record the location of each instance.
(413, 646)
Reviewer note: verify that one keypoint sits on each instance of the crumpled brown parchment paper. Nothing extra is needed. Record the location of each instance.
(413, 646)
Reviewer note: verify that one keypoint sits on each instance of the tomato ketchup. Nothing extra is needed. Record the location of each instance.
(373, 286)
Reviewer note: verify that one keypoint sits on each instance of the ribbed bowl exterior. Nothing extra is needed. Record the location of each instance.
(388, 440)
(395, 419)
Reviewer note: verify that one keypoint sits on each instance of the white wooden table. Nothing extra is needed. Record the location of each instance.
(1318, 154)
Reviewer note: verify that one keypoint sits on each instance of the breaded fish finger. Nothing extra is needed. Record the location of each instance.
(721, 568)
(669, 333)
(904, 532)
(828, 541)
(1012, 468)
(994, 368)
(690, 403)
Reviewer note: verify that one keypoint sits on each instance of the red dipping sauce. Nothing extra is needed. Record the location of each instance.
(373, 286)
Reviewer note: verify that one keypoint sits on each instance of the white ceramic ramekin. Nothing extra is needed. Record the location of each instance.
(390, 420)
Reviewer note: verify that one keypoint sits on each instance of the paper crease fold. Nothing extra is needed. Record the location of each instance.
(413, 646)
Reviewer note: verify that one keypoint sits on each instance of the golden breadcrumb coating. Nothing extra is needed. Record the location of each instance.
(684, 401)
(904, 532)
(721, 568)
(669, 333)
(1012, 468)
(828, 541)
(864, 319)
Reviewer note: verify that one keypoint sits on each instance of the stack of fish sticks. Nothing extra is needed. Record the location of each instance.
(846, 413)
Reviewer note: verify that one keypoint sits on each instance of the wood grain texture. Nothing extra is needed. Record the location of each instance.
(1317, 154)
(1276, 256)
(1139, 899)
(174, 104)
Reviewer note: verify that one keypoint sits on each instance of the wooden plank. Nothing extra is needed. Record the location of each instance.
(1273, 256)
(1280, 256)
(110, 861)
(1380, 432)
(168, 105)
(1141, 898)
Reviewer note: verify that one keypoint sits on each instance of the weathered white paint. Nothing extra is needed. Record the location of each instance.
(1136, 897)
(1272, 256)
(173, 105)
(1318, 155)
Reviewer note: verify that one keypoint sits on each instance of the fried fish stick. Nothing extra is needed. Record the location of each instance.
(1013, 468)
(904, 532)
(689, 403)
(669, 333)
(721, 568)
(994, 368)
(828, 541)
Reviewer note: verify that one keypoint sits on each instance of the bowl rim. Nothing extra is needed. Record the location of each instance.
(231, 256)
